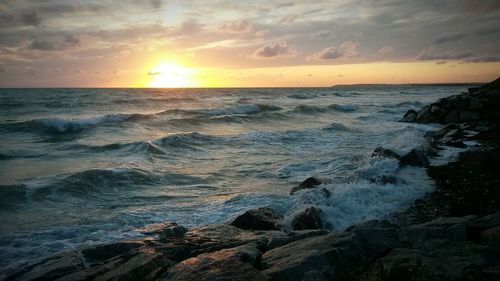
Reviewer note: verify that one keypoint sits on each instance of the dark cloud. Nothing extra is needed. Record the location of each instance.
(42, 45)
(429, 55)
(31, 18)
(153, 73)
(449, 37)
(275, 49)
(156, 3)
(71, 39)
(69, 8)
(346, 50)
(487, 31)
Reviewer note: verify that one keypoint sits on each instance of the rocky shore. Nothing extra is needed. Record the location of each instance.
(451, 234)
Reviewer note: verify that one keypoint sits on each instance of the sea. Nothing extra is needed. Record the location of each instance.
(80, 167)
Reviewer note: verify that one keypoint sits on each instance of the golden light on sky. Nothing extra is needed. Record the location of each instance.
(168, 74)
(159, 43)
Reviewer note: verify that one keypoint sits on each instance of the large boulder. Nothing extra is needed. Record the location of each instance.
(259, 219)
(238, 263)
(323, 257)
(437, 260)
(410, 116)
(310, 218)
(415, 157)
(385, 152)
(172, 230)
(307, 184)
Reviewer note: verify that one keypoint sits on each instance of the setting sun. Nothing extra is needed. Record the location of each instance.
(170, 75)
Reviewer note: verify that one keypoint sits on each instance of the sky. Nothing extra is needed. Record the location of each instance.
(220, 43)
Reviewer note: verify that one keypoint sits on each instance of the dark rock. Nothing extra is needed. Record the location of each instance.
(415, 157)
(384, 152)
(323, 257)
(258, 219)
(310, 218)
(308, 183)
(378, 236)
(172, 230)
(437, 260)
(384, 179)
(228, 264)
(491, 238)
(410, 116)
(453, 229)
(468, 116)
(452, 117)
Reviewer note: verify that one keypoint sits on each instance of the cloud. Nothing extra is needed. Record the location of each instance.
(156, 3)
(275, 49)
(487, 31)
(71, 39)
(441, 62)
(483, 59)
(237, 27)
(429, 55)
(346, 50)
(448, 37)
(385, 51)
(31, 18)
(289, 19)
(321, 34)
(42, 45)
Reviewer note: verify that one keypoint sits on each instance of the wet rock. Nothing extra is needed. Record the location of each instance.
(323, 257)
(384, 152)
(172, 230)
(491, 238)
(415, 157)
(384, 179)
(436, 260)
(468, 115)
(410, 116)
(378, 236)
(308, 183)
(310, 218)
(453, 229)
(259, 219)
(452, 117)
(236, 263)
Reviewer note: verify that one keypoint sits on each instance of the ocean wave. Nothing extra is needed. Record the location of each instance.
(165, 145)
(311, 109)
(62, 125)
(338, 127)
(246, 109)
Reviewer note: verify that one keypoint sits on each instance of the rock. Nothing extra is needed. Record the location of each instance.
(384, 152)
(452, 117)
(258, 219)
(410, 116)
(491, 238)
(384, 179)
(172, 230)
(452, 228)
(236, 263)
(477, 226)
(308, 183)
(323, 257)
(468, 116)
(378, 236)
(426, 116)
(415, 157)
(437, 260)
(310, 218)
(132, 260)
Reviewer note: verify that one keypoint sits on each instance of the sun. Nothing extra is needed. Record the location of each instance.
(171, 75)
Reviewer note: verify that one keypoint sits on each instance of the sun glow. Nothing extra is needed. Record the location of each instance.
(171, 75)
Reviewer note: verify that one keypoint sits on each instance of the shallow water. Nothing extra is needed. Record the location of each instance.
(86, 166)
